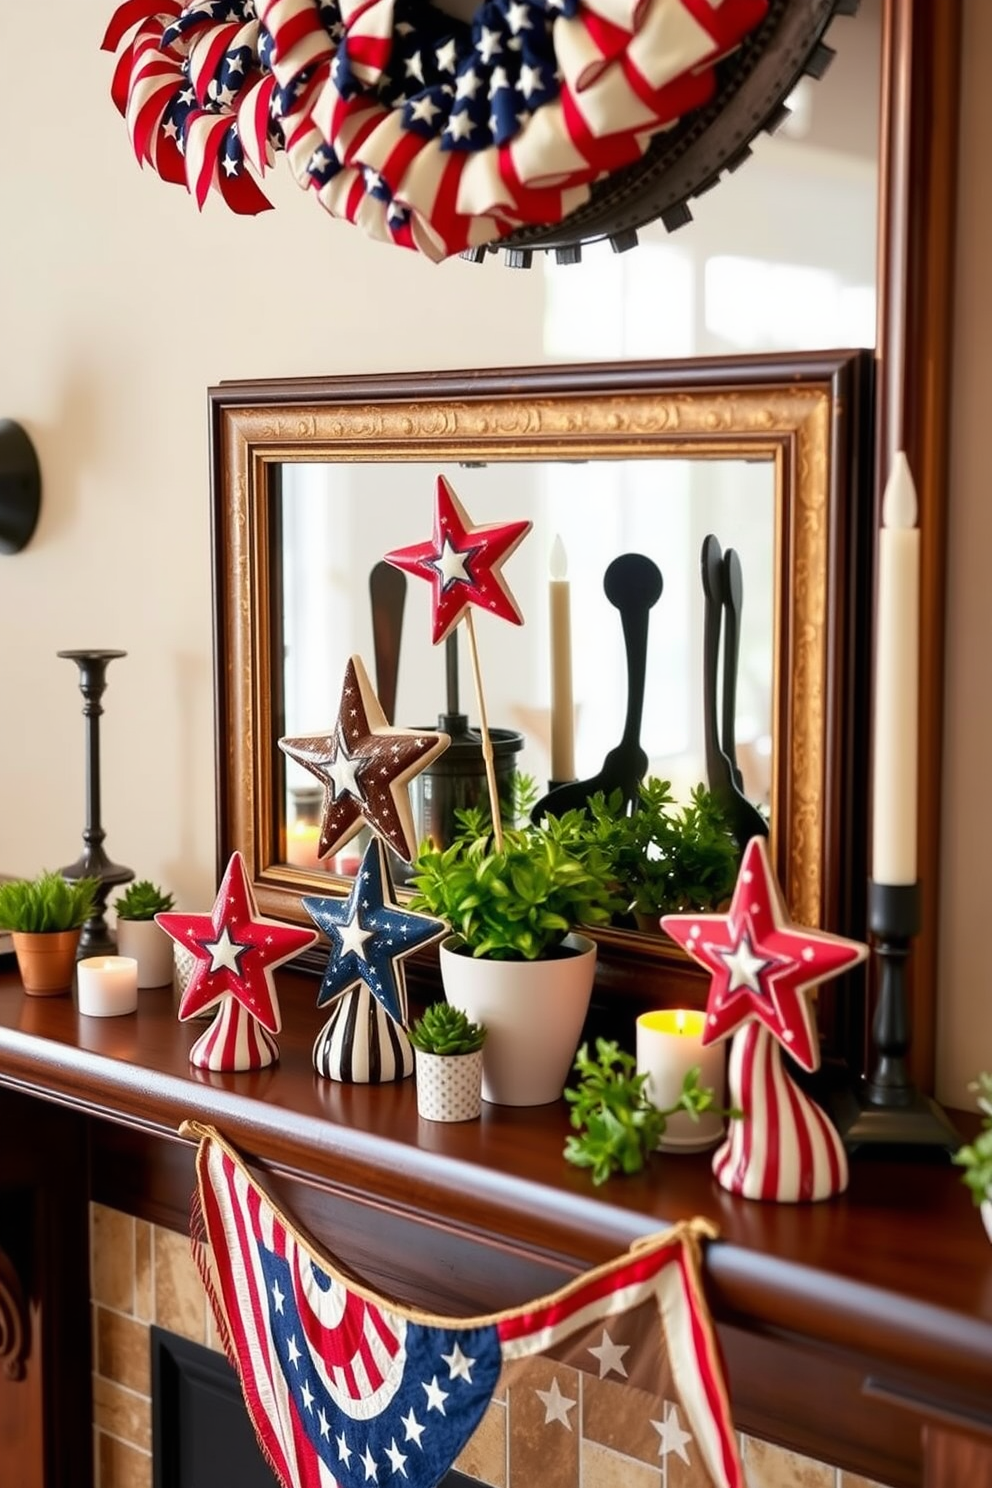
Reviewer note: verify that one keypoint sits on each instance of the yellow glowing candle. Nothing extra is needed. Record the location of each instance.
(562, 706)
(302, 841)
(669, 1045)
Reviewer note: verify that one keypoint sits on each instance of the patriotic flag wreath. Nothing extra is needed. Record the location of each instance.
(427, 131)
(345, 1388)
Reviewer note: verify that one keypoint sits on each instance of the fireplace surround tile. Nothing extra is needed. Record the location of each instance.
(121, 1348)
(180, 1301)
(122, 1413)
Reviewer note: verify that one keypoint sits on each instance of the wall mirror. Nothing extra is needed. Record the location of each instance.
(315, 480)
(259, 430)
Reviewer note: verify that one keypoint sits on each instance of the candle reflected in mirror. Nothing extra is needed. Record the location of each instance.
(562, 702)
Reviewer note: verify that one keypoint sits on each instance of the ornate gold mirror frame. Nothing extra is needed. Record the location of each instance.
(807, 418)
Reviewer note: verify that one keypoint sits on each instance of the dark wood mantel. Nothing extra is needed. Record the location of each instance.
(858, 1331)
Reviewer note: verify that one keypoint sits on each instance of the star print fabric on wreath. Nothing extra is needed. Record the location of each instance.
(365, 767)
(344, 1384)
(429, 132)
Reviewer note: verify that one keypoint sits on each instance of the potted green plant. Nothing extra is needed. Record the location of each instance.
(45, 916)
(515, 961)
(617, 1124)
(976, 1157)
(139, 936)
(667, 857)
(447, 1048)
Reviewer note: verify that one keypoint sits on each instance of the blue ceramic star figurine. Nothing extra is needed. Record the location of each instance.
(370, 935)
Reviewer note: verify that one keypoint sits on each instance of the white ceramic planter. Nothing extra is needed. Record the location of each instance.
(986, 1213)
(151, 947)
(449, 1086)
(533, 1012)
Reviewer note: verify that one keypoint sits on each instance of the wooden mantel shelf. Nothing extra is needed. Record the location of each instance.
(876, 1305)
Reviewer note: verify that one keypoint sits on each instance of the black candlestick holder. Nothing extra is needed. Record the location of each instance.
(886, 1109)
(95, 939)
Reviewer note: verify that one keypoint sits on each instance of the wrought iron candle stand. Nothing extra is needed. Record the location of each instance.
(886, 1109)
(95, 939)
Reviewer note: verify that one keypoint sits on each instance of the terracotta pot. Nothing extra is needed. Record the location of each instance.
(46, 961)
(150, 946)
(533, 1012)
(449, 1086)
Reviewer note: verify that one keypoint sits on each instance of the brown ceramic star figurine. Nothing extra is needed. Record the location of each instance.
(365, 767)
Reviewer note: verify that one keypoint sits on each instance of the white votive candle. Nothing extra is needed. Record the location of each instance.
(107, 986)
(669, 1045)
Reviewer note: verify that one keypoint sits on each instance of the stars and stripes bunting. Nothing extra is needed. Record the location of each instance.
(345, 1387)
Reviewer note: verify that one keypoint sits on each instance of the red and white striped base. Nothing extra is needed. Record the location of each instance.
(234, 1041)
(784, 1148)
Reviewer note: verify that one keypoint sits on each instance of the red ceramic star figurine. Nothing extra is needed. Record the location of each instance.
(236, 952)
(762, 965)
(782, 1145)
(463, 563)
(365, 767)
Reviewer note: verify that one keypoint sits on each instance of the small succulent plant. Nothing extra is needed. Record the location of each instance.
(142, 900)
(444, 1029)
(46, 904)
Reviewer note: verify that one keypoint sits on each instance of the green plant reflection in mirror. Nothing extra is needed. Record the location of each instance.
(337, 520)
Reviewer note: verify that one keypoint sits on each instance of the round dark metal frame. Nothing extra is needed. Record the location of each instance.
(753, 83)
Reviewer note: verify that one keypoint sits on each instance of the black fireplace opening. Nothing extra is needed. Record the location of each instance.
(201, 1434)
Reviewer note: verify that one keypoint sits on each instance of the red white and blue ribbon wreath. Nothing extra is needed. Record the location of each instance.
(344, 1387)
(427, 131)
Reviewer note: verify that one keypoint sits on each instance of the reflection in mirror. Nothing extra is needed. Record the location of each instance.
(316, 480)
(337, 519)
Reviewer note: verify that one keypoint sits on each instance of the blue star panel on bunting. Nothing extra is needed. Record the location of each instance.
(371, 935)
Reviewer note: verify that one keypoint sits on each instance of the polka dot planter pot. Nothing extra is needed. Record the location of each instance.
(449, 1086)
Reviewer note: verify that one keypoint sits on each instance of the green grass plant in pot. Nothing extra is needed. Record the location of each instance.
(139, 936)
(515, 961)
(45, 916)
(667, 857)
(447, 1047)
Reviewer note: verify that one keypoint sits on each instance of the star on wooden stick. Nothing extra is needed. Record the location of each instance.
(236, 950)
(371, 935)
(365, 768)
(463, 563)
(762, 964)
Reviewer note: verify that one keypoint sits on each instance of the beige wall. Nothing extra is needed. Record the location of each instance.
(119, 306)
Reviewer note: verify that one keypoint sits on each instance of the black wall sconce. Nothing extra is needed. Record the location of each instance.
(20, 487)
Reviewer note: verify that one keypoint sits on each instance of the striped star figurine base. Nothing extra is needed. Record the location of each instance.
(793, 1154)
(234, 1041)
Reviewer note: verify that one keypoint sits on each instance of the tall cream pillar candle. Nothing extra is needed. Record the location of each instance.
(562, 705)
(897, 665)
